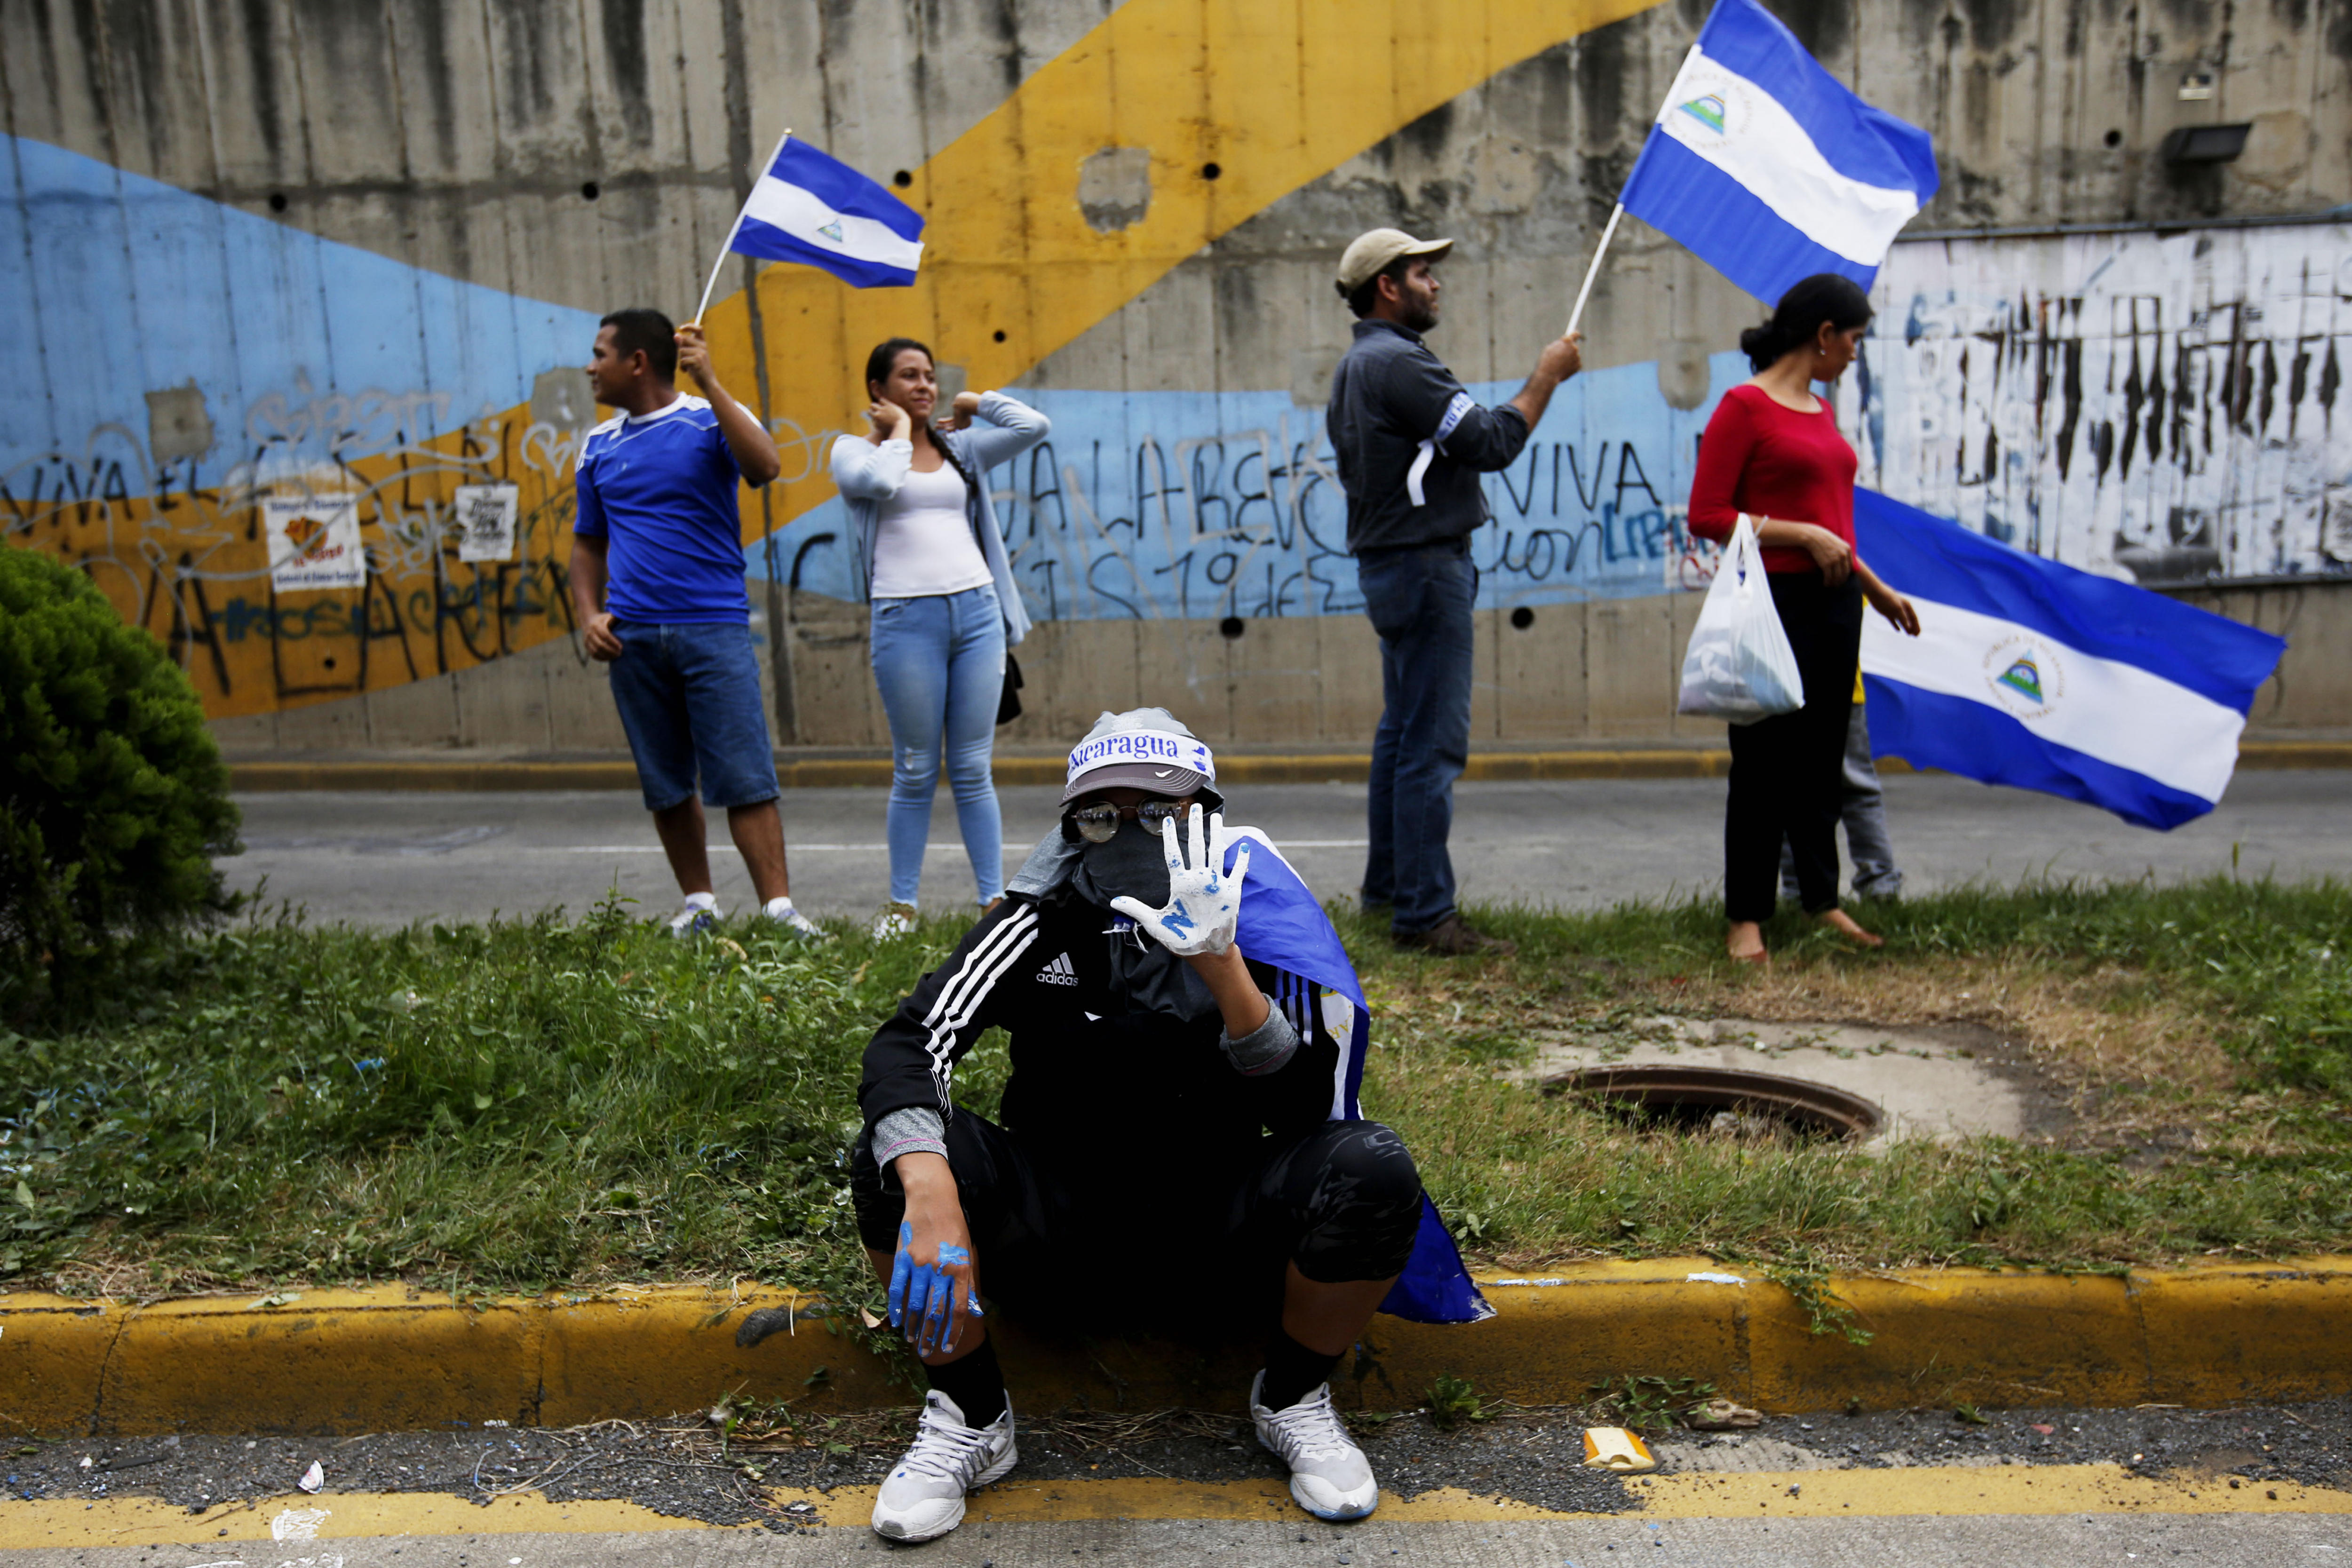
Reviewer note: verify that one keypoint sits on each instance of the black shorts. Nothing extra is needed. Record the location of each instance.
(1343, 1202)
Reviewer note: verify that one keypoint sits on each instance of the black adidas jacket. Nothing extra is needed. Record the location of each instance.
(1090, 1077)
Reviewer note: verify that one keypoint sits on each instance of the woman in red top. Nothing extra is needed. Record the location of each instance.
(1773, 452)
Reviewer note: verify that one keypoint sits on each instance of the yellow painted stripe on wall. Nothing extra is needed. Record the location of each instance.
(1277, 93)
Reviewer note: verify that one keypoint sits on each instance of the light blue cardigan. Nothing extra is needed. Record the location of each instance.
(869, 475)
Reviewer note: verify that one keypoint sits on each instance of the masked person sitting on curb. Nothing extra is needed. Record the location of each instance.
(1180, 1128)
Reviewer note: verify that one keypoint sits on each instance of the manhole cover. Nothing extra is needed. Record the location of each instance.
(1724, 1100)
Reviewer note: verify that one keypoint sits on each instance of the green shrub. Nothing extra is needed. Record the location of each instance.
(113, 797)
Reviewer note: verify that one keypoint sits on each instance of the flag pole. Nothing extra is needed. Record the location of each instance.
(1594, 271)
(727, 249)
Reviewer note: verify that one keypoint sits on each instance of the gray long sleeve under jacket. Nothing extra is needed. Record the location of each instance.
(1411, 443)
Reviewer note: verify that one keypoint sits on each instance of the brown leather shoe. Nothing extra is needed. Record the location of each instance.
(1454, 937)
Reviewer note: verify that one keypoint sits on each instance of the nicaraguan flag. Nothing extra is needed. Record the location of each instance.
(1283, 925)
(1768, 169)
(820, 212)
(2036, 675)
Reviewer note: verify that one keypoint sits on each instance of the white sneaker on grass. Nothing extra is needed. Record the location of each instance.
(896, 919)
(1328, 1474)
(781, 910)
(923, 1496)
(700, 914)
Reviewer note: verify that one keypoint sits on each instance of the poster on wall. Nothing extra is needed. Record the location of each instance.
(314, 542)
(486, 521)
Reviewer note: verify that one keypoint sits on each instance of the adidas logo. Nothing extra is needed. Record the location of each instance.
(1061, 971)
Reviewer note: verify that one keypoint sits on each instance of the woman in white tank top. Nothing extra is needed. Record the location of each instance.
(944, 607)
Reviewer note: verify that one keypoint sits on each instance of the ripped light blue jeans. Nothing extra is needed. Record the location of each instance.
(940, 662)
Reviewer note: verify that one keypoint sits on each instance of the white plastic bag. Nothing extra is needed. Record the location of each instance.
(1739, 666)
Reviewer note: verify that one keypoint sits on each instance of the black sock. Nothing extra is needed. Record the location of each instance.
(975, 1382)
(1292, 1371)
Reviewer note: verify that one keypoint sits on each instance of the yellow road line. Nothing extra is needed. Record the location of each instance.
(2009, 1490)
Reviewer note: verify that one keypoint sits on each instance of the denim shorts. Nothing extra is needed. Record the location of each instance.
(689, 699)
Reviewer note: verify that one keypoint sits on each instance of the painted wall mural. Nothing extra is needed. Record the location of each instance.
(1161, 504)
(258, 448)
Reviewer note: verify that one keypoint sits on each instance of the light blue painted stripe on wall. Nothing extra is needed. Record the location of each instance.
(1206, 504)
(131, 285)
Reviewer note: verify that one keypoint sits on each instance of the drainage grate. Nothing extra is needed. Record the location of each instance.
(1724, 1100)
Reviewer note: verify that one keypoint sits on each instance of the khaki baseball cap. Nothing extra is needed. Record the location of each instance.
(1367, 253)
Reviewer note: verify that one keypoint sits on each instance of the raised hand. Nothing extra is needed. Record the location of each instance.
(1204, 901)
(967, 403)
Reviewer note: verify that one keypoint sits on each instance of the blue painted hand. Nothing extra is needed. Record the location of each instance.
(1204, 899)
(922, 1295)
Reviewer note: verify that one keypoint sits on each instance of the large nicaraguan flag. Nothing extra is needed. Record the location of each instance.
(2029, 673)
(1768, 169)
(820, 212)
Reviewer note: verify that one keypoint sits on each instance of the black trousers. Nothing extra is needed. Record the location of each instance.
(1146, 1247)
(1787, 771)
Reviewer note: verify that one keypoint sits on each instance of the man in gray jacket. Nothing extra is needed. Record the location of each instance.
(1412, 445)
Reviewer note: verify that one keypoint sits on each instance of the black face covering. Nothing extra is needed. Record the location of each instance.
(1134, 865)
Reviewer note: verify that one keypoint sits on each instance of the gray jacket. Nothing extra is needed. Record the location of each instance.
(868, 475)
(1411, 443)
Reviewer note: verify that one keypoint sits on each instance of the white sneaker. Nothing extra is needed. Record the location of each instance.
(781, 910)
(923, 1497)
(896, 919)
(700, 914)
(1328, 1474)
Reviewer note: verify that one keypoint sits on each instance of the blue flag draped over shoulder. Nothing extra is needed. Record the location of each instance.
(1769, 169)
(1283, 926)
(2033, 674)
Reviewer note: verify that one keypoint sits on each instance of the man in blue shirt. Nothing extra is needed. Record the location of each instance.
(658, 585)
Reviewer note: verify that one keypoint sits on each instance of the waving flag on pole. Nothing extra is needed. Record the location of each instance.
(1768, 169)
(820, 212)
(2039, 675)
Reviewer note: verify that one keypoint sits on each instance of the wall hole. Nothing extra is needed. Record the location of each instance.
(588, 191)
(1231, 627)
(1210, 171)
(329, 661)
(278, 201)
(902, 179)
(2113, 139)
(999, 334)
(1522, 618)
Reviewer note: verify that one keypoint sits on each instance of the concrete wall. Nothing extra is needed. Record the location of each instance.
(349, 249)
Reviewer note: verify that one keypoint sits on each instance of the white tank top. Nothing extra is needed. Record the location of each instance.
(924, 545)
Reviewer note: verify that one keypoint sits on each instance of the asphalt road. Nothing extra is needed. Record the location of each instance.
(2249, 1486)
(391, 859)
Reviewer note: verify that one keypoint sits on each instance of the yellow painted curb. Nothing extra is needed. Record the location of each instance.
(389, 1357)
(2009, 1490)
(434, 776)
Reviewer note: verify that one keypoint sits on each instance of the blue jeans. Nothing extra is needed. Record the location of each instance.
(940, 662)
(689, 701)
(1420, 602)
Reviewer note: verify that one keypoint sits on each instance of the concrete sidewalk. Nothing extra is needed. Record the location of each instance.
(390, 858)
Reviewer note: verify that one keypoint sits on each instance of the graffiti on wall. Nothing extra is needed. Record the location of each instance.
(266, 471)
(1202, 505)
(2159, 407)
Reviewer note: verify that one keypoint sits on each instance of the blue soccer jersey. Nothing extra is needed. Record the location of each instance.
(661, 492)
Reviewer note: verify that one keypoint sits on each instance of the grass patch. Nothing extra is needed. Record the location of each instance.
(548, 1103)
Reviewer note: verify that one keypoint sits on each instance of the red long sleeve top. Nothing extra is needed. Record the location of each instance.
(1766, 461)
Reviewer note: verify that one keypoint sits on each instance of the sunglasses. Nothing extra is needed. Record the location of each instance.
(1098, 824)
